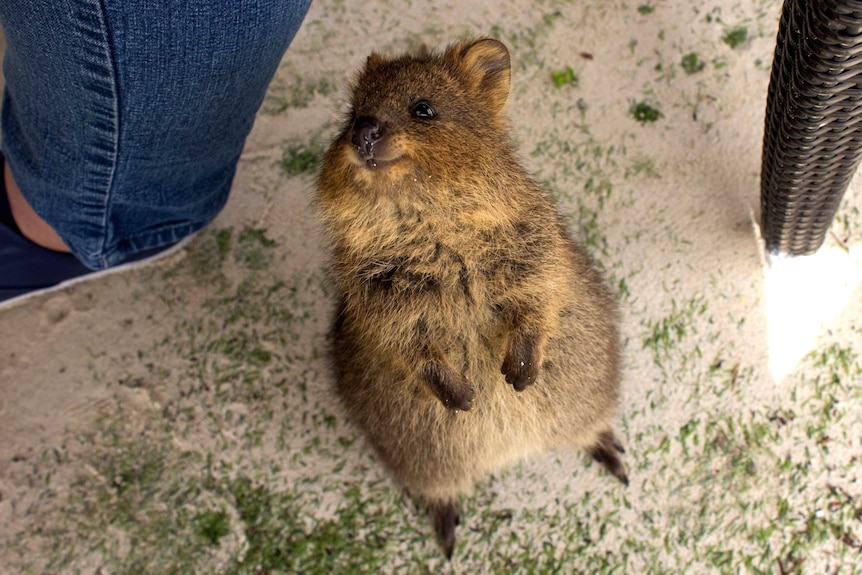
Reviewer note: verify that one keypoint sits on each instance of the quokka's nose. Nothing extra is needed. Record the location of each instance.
(366, 133)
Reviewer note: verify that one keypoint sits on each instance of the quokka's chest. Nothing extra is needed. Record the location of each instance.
(452, 253)
(422, 269)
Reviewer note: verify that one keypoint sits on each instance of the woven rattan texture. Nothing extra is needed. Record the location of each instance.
(813, 134)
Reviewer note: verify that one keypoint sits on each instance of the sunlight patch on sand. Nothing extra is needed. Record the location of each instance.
(804, 297)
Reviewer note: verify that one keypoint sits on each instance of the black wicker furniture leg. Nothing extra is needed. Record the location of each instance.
(812, 139)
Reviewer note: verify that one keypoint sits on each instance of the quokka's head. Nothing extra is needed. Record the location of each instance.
(427, 112)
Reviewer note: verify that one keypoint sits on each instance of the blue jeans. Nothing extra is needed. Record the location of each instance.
(123, 120)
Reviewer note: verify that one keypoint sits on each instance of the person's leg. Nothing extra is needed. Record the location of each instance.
(28, 222)
(123, 120)
(25, 267)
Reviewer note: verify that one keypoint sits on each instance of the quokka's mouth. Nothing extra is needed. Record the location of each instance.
(376, 163)
(375, 159)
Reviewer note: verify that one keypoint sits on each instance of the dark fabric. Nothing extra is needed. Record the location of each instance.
(25, 266)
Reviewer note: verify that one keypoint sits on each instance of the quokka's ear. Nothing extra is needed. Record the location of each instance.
(487, 64)
(373, 61)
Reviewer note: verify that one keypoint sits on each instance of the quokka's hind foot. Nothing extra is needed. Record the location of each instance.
(446, 516)
(607, 451)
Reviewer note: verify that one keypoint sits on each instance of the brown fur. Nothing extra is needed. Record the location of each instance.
(471, 329)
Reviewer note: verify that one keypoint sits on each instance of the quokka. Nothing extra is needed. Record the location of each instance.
(471, 329)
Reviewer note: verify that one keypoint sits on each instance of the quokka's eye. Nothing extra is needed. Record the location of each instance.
(423, 110)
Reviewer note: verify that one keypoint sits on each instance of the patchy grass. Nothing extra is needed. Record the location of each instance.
(302, 158)
(282, 537)
(254, 250)
(210, 251)
(298, 95)
(580, 180)
(668, 332)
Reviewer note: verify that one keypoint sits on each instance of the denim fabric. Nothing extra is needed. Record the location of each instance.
(123, 120)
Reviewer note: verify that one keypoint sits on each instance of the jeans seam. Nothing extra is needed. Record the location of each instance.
(100, 154)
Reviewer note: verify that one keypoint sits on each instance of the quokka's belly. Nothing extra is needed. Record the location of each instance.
(437, 452)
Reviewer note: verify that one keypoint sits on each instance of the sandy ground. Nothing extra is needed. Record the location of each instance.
(178, 419)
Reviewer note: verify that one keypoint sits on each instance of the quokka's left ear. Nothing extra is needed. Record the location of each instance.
(486, 62)
(373, 61)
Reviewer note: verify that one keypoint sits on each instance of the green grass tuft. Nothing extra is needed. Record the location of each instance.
(564, 77)
(692, 64)
(212, 525)
(735, 36)
(644, 113)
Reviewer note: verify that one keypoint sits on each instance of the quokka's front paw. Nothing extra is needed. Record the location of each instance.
(451, 388)
(522, 361)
